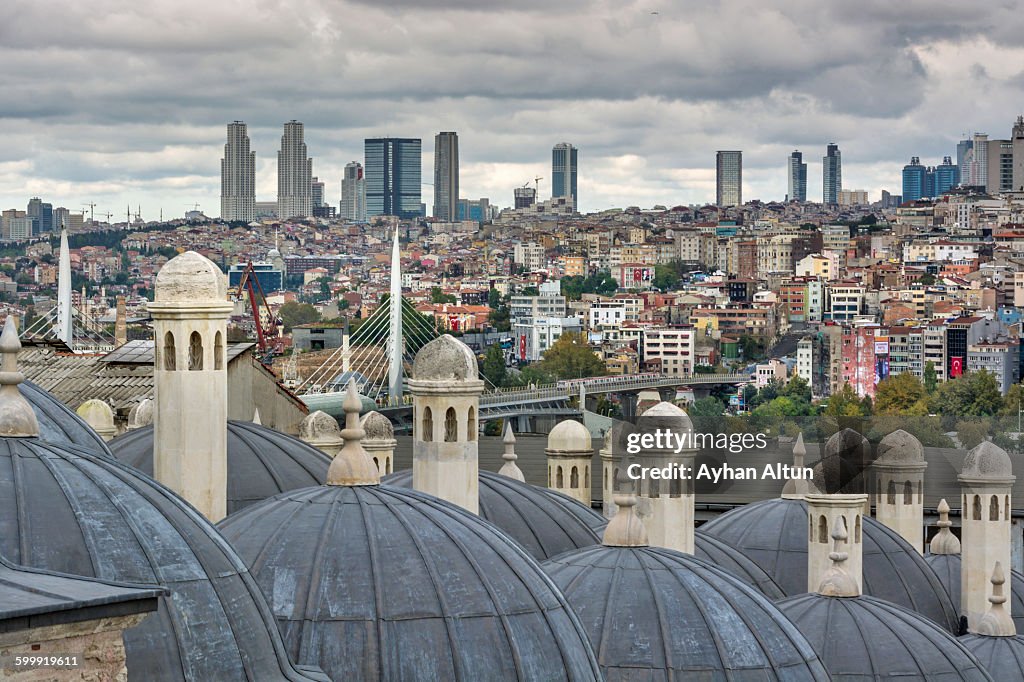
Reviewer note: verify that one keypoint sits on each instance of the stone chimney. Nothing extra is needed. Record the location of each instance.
(321, 430)
(985, 483)
(899, 486)
(570, 454)
(667, 505)
(97, 414)
(380, 441)
(121, 323)
(824, 514)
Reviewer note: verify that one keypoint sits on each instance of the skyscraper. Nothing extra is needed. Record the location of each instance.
(294, 174)
(1018, 154)
(353, 193)
(563, 172)
(947, 176)
(238, 176)
(729, 178)
(914, 180)
(797, 172)
(317, 192)
(979, 160)
(446, 176)
(393, 170)
(832, 175)
(41, 214)
(963, 150)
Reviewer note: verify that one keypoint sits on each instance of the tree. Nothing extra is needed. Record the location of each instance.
(493, 367)
(845, 403)
(293, 314)
(571, 358)
(974, 394)
(902, 394)
(438, 296)
(493, 299)
(931, 379)
(751, 347)
(665, 277)
(706, 407)
(797, 389)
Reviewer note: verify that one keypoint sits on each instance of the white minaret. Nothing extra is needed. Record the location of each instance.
(446, 390)
(395, 337)
(190, 313)
(985, 483)
(570, 454)
(379, 441)
(65, 329)
(899, 486)
(824, 514)
(667, 506)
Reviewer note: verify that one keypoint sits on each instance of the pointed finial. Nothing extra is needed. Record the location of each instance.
(797, 487)
(510, 468)
(626, 529)
(17, 418)
(944, 541)
(256, 417)
(352, 465)
(997, 621)
(837, 582)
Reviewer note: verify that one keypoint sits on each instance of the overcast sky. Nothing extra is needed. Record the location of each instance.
(118, 101)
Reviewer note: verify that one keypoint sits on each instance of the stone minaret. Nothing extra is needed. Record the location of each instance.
(510, 468)
(824, 515)
(899, 486)
(321, 430)
(65, 322)
(190, 313)
(570, 454)
(985, 482)
(667, 506)
(99, 416)
(380, 441)
(446, 389)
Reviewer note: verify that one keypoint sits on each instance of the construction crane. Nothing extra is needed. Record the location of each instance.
(536, 185)
(250, 285)
(106, 216)
(92, 207)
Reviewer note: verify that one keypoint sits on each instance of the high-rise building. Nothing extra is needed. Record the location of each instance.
(446, 176)
(1017, 139)
(831, 175)
(317, 192)
(525, 197)
(563, 172)
(238, 176)
(914, 180)
(353, 193)
(979, 160)
(797, 173)
(729, 178)
(61, 218)
(947, 176)
(41, 214)
(963, 150)
(392, 171)
(1000, 166)
(294, 174)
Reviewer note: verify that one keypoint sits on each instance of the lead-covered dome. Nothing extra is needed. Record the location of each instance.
(190, 278)
(947, 568)
(67, 509)
(657, 614)
(445, 359)
(865, 638)
(542, 521)
(58, 423)
(735, 563)
(1002, 657)
(773, 533)
(262, 462)
(376, 582)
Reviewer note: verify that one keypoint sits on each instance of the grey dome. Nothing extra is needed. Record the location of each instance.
(657, 614)
(947, 568)
(262, 462)
(542, 521)
(58, 423)
(864, 638)
(987, 460)
(773, 533)
(383, 583)
(66, 509)
(735, 563)
(900, 447)
(445, 359)
(1002, 657)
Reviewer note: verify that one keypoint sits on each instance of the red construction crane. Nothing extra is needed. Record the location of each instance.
(268, 343)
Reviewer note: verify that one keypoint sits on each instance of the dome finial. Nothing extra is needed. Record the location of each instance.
(997, 622)
(17, 419)
(797, 487)
(626, 529)
(837, 582)
(944, 541)
(510, 468)
(352, 465)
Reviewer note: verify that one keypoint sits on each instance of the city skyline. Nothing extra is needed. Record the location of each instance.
(117, 129)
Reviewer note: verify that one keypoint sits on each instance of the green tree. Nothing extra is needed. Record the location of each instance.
(751, 347)
(971, 432)
(293, 314)
(845, 403)
(493, 299)
(665, 277)
(974, 394)
(931, 379)
(797, 389)
(902, 394)
(570, 358)
(706, 407)
(438, 296)
(493, 367)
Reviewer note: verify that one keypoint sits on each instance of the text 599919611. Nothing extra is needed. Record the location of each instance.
(30, 661)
